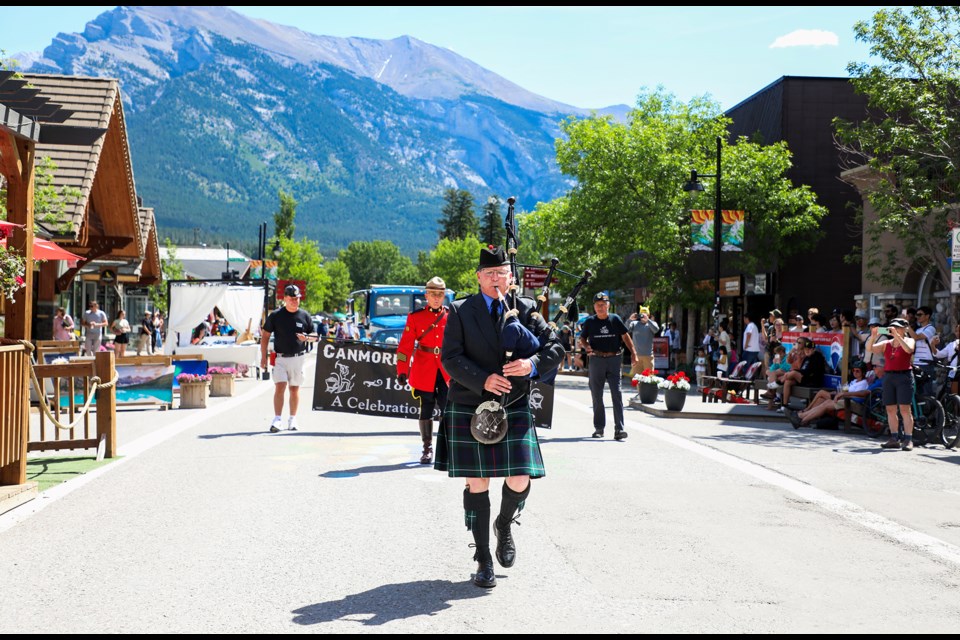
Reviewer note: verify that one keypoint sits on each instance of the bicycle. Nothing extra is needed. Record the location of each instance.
(929, 417)
(951, 406)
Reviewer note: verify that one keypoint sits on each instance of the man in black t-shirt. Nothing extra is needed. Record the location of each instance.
(292, 328)
(601, 336)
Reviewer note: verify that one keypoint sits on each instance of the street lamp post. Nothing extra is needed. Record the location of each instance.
(695, 185)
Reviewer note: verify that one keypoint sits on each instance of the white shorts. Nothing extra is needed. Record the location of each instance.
(289, 370)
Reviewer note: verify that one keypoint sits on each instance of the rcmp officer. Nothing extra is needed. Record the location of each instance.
(473, 354)
(418, 359)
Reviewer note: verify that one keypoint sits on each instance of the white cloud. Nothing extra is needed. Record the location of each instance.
(806, 38)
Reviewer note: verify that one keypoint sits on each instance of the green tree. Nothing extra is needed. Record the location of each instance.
(458, 219)
(378, 262)
(283, 218)
(171, 269)
(909, 143)
(339, 287)
(302, 261)
(456, 262)
(628, 217)
(491, 225)
(49, 201)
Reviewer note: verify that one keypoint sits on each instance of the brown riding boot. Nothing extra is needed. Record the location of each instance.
(426, 434)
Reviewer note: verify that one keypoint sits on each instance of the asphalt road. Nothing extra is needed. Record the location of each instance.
(210, 524)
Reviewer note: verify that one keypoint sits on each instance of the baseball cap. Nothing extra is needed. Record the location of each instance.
(776, 313)
(292, 291)
(898, 322)
(601, 296)
(860, 314)
(874, 320)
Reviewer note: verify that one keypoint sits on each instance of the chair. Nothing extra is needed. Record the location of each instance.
(715, 387)
(741, 386)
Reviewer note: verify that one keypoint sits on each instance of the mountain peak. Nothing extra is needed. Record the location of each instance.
(411, 67)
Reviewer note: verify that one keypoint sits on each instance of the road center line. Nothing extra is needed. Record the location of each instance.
(849, 511)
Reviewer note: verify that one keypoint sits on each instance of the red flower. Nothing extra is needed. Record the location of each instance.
(18, 280)
(634, 382)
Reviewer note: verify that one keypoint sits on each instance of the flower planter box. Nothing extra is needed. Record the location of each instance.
(193, 395)
(221, 385)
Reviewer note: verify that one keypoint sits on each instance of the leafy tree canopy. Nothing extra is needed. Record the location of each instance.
(378, 262)
(628, 217)
(909, 140)
(456, 262)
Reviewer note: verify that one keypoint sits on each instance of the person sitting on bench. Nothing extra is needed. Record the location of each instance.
(827, 401)
(810, 372)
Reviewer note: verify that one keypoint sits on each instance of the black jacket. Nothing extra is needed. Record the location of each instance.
(472, 350)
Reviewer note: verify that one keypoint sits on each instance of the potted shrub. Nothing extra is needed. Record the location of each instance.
(193, 390)
(675, 391)
(221, 384)
(647, 382)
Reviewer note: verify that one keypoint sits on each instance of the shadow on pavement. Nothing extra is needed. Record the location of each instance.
(391, 602)
(301, 432)
(353, 473)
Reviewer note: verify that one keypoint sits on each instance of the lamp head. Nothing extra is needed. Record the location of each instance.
(694, 183)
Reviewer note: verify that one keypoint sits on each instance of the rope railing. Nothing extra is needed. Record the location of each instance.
(97, 384)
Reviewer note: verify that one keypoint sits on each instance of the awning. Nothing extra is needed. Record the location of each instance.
(47, 250)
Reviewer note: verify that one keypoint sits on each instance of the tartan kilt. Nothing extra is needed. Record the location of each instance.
(518, 454)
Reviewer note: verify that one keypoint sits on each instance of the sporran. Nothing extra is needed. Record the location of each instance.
(489, 423)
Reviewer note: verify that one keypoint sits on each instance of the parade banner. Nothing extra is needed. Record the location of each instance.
(361, 377)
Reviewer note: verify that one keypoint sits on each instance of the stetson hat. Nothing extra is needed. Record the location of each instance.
(492, 256)
(436, 282)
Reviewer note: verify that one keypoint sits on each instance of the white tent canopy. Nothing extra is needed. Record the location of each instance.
(192, 302)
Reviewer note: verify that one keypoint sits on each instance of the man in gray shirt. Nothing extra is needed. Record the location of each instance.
(643, 331)
(94, 320)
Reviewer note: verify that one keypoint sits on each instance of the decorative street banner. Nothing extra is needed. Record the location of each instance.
(256, 269)
(661, 353)
(360, 377)
(731, 229)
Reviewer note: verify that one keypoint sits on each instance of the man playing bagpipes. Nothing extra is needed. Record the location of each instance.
(418, 357)
(474, 353)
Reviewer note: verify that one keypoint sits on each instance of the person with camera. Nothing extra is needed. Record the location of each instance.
(897, 348)
(63, 326)
(643, 330)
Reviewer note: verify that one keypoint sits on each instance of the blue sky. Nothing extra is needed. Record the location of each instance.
(584, 56)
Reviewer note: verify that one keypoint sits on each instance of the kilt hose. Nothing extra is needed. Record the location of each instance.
(518, 454)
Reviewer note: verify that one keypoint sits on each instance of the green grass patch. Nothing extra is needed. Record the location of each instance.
(49, 472)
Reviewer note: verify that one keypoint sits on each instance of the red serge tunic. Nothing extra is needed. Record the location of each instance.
(421, 361)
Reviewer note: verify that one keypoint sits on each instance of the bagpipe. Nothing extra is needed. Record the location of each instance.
(489, 422)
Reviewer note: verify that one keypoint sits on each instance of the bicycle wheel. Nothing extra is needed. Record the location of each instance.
(875, 418)
(929, 421)
(951, 425)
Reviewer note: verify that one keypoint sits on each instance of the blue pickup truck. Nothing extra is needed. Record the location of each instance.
(383, 309)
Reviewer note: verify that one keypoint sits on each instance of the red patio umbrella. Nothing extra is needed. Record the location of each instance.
(47, 250)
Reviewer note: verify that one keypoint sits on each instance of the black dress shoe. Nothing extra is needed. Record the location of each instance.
(506, 549)
(620, 435)
(484, 577)
(598, 434)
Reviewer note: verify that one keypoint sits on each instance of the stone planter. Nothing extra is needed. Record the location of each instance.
(674, 399)
(221, 385)
(648, 392)
(193, 395)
